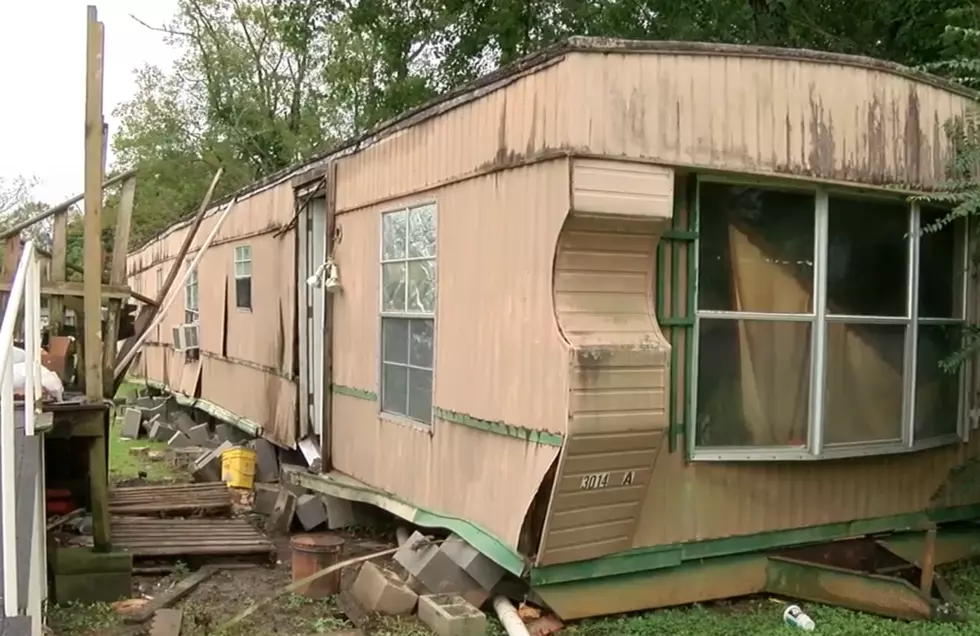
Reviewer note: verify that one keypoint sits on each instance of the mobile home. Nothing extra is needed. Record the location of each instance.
(625, 316)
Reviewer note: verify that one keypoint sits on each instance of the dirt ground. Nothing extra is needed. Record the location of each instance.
(229, 592)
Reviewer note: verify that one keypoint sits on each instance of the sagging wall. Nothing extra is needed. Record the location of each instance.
(246, 363)
(498, 354)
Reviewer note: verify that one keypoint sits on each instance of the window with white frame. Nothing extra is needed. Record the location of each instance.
(243, 277)
(408, 307)
(191, 309)
(822, 321)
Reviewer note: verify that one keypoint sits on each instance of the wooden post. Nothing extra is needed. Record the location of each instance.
(117, 276)
(928, 561)
(59, 272)
(93, 210)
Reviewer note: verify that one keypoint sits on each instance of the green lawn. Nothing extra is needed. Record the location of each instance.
(126, 465)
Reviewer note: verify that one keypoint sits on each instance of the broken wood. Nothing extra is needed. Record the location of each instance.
(70, 288)
(171, 596)
(146, 315)
(117, 276)
(928, 561)
(295, 585)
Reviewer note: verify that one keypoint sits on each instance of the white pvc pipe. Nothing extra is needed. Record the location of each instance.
(175, 291)
(32, 344)
(509, 617)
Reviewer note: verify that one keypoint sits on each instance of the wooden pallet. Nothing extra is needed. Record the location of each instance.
(172, 499)
(147, 537)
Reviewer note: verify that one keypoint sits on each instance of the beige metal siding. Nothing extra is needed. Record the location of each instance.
(499, 356)
(246, 355)
(603, 286)
(759, 115)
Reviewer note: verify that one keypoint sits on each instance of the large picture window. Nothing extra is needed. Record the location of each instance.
(408, 307)
(822, 321)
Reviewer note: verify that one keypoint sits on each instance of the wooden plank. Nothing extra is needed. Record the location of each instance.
(59, 272)
(98, 458)
(92, 247)
(62, 207)
(166, 622)
(71, 288)
(147, 313)
(171, 596)
(117, 276)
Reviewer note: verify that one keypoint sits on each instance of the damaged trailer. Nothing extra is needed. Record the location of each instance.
(683, 343)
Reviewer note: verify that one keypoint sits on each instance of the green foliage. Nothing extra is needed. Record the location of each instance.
(262, 84)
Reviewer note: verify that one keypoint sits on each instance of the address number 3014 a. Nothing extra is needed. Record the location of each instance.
(594, 481)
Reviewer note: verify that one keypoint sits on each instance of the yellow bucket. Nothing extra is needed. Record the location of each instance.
(238, 467)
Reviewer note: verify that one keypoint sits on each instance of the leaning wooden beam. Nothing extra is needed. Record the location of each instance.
(149, 312)
(117, 276)
(92, 242)
(63, 206)
(123, 365)
(59, 262)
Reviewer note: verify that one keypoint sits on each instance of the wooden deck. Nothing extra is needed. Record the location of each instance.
(170, 500)
(147, 537)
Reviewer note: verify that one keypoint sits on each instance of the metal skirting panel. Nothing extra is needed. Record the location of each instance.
(29, 460)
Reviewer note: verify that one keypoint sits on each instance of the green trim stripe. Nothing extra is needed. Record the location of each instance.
(479, 537)
(350, 391)
(501, 428)
(658, 557)
(495, 427)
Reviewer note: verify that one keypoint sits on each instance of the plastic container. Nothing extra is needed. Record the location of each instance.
(312, 553)
(238, 467)
(794, 616)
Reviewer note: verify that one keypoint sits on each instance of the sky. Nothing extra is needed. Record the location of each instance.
(43, 83)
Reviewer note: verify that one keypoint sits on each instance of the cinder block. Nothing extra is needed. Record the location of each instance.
(437, 572)
(285, 471)
(227, 433)
(161, 432)
(267, 460)
(179, 440)
(310, 511)
(199, 434)
(132, 419)
(451, 615)
(380, 590)
(340, 512)
(282, 513)
(208, 465)
(181, 421)
(265, 499)
(475, 563)
(148, 423)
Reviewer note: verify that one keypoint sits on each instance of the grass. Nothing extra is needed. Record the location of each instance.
(125, 464)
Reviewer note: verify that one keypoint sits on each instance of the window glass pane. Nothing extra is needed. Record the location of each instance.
(394, 389)
(420, 354)
(864, 383)
(393, 232)
(937, 392)
(420, 394)
(393, 287)
(243, 293)
(753, 383)
(941, 267)
(422, 286)
(422, 232)
(394, 340)
(867, 257)
(755, 249)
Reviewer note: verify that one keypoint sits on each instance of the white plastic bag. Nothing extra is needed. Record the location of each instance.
(50, 382)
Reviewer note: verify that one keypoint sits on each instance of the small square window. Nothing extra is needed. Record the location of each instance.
(243, 277)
